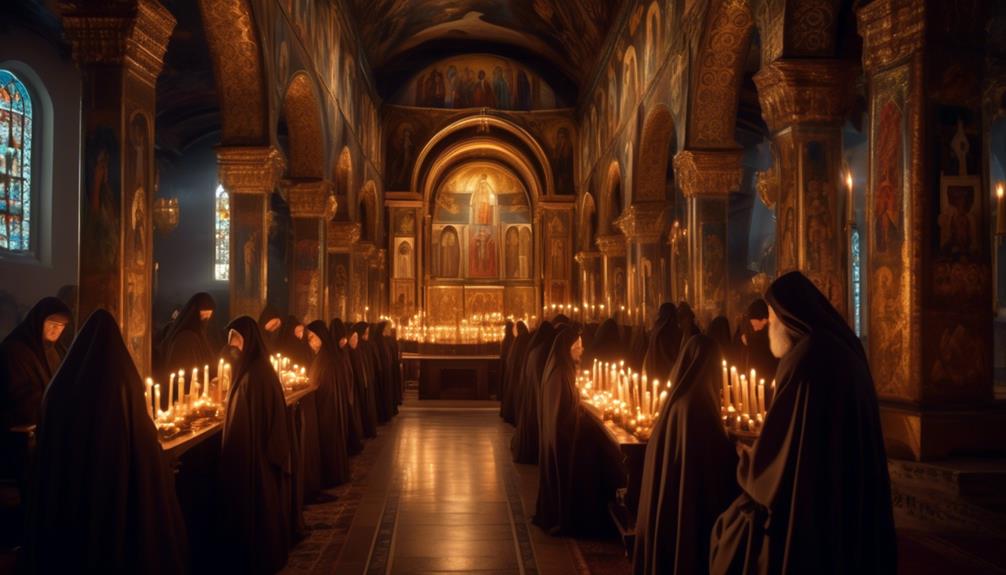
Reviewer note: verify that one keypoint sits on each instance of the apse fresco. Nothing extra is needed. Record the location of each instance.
(481, 229)
(478, 81)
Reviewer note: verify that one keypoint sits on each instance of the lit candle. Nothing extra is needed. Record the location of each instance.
(761, 396)
(852, 201)
(181, 389)
(157, 400)
(171, 393)
(745, 406)
(147, 395)
(206, 381)
(1000, 211)
(192, 386)
(725, 391)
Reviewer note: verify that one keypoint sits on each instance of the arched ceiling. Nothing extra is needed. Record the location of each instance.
(402, 33)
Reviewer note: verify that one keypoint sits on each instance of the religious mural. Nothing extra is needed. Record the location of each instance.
(519, 301)
(136, 252)
(446, 304)
(478, 81)
(403, 298)
(483, 300)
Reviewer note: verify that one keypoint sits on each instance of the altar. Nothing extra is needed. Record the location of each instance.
(454, 376)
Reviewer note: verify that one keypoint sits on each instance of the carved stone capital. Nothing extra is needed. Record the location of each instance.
(643, 221)
(250, 169)
(310, 198)
(892, 30)
(585, 257)
(795, 92)
(611, 245)
(134, 34)
(343, 235)
(708, 172)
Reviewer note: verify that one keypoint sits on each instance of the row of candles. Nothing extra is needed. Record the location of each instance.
(743, 404)
(291, 375)
(184, 401)
(628, 398)
(594, 312)
(475, 329)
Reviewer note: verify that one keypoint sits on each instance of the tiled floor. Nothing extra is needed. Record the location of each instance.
(442, 495)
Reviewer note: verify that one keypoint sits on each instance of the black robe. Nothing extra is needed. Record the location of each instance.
(332, 411)
(294, 347)
(185, 345)
(270, 338)
(508, 338)
(104, 499)
(757, 355)
(607, 344)
(577, 471)
(516, 357)
(364, 386)
(381, 354)
(719, 331)
(816, 492)
(524, 443)
(688, 471)
(665, 341)
(347, 387)
(396, 369)
(254, 490)
(27, 364)
(636, 351)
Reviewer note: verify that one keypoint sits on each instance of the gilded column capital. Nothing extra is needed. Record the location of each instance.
(612, 245)
(803, 92)
(892, 30)
(310, 198)
(708, 172)
(643, 221)
(342, 235)
(134, 34)
(250, 169)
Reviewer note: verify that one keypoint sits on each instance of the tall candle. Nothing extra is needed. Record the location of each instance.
(745, 406)
(181, 389)
(157, 399)
(171, 393)
(851, 203)
(206, 382)
(761, 396)
(725, 391)
(193, 393)
(147, 395)
(1000, 211)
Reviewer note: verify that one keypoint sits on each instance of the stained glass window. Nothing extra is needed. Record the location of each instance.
(222, 235)
(15, 163)
(857, 283)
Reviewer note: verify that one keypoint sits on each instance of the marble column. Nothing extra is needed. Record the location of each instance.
(312, 205)
(341, 239)
(804, 103)
(120, 50)
(249, 174)
(928, 244)
(612, 248)
(706, 178)
(644, 224)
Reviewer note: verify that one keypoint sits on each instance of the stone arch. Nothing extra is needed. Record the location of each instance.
(717, 74)
(367, 212)
(630, 81)
(302, 113)
(655, 152)
(612, 201)
(343, 177)
(588, 222)
(233, 39)
(654, 39)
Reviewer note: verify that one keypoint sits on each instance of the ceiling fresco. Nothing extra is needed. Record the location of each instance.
(568, 34)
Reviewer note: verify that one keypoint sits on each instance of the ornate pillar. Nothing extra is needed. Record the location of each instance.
(249, 174)
(804, 103)
(342, 237)
(591, 288)
(706, 178)
(377, 282)
(612, 248)
(644, 224)
(929, 249)
(120, 49)
(312, 205)
(359, 274)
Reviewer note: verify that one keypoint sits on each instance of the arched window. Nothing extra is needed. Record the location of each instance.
(857, 283)
(222, 235)
(15, 164)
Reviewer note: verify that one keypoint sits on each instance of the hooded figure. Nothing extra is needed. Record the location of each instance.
(607, 344)
(752, 345)
(104, 499)
(381, 352)
(270, 322)
(524, 444)
(686, 322)
(514, 362)
(719, 331)
(665, 341)
(636, 352)
(347, 383)
(330, 403)
(185, 344)
(576, 471)
(254, 492)
(688, 471)
(364, 379)
(508, 337)
(816, 496)
(293, 342)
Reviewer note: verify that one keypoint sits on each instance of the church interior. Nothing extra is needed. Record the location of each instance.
(503, 286)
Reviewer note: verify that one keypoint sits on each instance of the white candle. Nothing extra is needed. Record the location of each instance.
(157, 400)
(181, 390)
(206, 381)
(147, 395)
(761, 396)
(735, 397)
(725, 391)
(171, 393)
(745, 406)
(193, 394)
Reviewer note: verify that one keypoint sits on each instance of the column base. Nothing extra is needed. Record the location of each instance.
(923, 434)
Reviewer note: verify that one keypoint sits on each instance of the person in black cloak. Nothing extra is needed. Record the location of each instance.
(270, 322)
(524, 443)
(688, 471)
(816, 496)
(719, 331)
(636, 352)
(391, 336)
(103, 500)
(254, 488)
(509, 333)
(381, 354)
(375, 372)
(607, 344)
(665, 342)
(292, 342)
(515, 362)
(330, 402)
(752, 344)
(68, 295)
(185, 345)
(354, 427)
(686, 322)
(576, 471)
(364, 380)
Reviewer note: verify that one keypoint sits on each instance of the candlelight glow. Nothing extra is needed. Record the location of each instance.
(848, 180)
(999, 190)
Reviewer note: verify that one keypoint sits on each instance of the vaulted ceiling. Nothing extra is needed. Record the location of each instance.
(561, 38)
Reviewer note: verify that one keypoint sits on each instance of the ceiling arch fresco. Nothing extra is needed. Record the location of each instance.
(303, 115)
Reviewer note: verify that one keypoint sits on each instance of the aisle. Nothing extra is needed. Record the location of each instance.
(442, 495)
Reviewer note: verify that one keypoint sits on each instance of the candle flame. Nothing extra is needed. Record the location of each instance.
(848, 180)
(999, 190)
